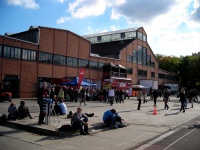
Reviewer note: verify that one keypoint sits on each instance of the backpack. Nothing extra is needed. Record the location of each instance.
(66, 127)
(3, 119)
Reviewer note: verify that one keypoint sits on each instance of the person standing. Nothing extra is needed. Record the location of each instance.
(144, 92)
(42, 93)
(166, 98)
(155, 96)
(82, 96)
(139, 97)
(182, 96)
(111, 95)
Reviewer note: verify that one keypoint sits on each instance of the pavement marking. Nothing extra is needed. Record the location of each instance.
(155, 140)
(179, 139)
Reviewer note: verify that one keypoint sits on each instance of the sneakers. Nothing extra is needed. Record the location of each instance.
(116, 126)
(83, 133)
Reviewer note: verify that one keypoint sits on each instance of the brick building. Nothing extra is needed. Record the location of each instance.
(48, 54)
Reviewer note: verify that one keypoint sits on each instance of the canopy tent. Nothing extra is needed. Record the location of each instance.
(74, 82)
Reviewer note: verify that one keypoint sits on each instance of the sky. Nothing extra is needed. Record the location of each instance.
(172, 26)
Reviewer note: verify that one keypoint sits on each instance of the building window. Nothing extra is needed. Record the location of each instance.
(153, 74)
(142, 73)
(140, 36)
(144, 38)
(29, 55)
(129, 58)
(148, 60)
(139, 55)
(130, 35)
(134, 56)
(129, 71)
(59, 60)
(45, 57)
(115, 37)
(144, 56)
(153, 64)
(101, 65)
(93, 65)
(0, 50)
(72, 62)
(12, 52)
(83, 63)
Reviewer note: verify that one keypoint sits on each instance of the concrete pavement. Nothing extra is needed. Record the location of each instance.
(142, 124)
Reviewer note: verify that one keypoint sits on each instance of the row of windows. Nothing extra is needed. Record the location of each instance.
(43, 57)
(141, 57)
(165, 76)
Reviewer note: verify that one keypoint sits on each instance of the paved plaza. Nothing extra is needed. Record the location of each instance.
(142, 125)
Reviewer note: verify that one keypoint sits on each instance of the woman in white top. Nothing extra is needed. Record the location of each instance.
(111, 95)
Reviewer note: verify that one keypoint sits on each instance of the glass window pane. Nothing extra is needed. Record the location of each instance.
(0, 50)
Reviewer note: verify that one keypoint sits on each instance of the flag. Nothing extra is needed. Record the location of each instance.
(80, 77)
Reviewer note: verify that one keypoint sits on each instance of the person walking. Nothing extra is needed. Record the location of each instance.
(155, 96)
(111, 95)
(139, 97)
(182, 96)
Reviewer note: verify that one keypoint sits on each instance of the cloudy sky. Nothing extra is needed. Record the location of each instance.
(172, 26)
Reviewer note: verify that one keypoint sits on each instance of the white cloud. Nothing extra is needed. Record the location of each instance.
(114, 15)
(24, 3)
(62, 19)
(60, 1)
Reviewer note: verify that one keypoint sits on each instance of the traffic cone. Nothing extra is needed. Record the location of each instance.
(154, 111)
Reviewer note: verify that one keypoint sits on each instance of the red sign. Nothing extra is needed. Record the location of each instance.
(80, 77)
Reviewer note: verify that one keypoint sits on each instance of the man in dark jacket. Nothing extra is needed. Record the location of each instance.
(78, 123)
(23, 111)
(155, 96)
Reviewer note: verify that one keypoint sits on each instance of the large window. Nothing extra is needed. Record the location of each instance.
(129, 71)
(153, 74)
(139, 55)
(153, 64)
(130, 35)
(134, 56)
(144, 38)
(0, 50)
(148, 60)
(29, 55)
(140, 36)
(12, 52)
(83, 63)
(45, 57)
(101, 65)
(142, 73)
(93, 65)
(129, 58)
(144, 56)
(73, 62)
(59, 60)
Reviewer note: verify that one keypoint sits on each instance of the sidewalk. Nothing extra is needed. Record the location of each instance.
(167, 119)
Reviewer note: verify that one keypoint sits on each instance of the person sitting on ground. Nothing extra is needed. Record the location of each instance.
(87, 114)
(23, 111)
(78, 123)
(57, 109)
(12, 112)
(63, 107)
(112, 118)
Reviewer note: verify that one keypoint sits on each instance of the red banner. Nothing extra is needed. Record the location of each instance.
(80, 77)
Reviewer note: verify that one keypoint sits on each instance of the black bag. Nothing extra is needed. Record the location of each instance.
(3, 119)
(66, 127)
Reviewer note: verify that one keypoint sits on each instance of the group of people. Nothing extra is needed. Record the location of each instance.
(20, 113)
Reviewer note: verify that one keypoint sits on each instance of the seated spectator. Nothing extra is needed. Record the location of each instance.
(12, 112)
(78, 123)
(112, 118)
(57, 109)
(63, 107)
(23, 111)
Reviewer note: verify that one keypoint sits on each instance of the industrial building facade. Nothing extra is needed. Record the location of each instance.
(47, 54)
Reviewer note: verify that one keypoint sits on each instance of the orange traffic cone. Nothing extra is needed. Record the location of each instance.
(154, 111)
